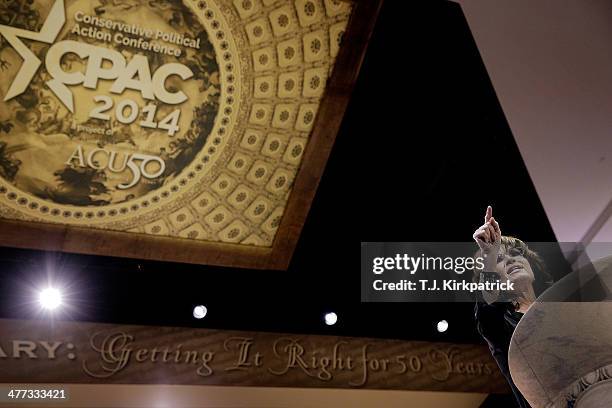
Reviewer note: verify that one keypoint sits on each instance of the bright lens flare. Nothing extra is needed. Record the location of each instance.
(50, 298)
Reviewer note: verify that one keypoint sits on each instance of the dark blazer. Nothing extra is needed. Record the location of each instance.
(496, 323)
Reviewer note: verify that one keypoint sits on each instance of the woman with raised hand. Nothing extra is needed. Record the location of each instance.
(505, 259)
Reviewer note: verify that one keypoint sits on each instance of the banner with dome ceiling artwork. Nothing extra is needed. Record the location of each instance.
(192, 131)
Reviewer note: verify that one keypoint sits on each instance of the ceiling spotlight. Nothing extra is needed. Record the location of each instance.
(331, 318)
(50, 298)
(442, 326)
(199, 312)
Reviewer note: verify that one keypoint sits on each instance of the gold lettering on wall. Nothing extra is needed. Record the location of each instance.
(94, 353)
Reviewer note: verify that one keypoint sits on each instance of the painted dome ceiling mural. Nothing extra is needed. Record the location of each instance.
(181, 119)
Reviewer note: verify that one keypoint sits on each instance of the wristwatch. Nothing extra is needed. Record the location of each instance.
(489, 277)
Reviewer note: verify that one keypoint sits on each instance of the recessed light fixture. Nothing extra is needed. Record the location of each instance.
(442, 326)
(331, 318)
(199, 312)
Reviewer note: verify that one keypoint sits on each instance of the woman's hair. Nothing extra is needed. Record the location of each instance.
(542, 279)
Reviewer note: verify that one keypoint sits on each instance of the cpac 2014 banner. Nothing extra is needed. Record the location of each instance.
(170, 118)
(118, 89)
